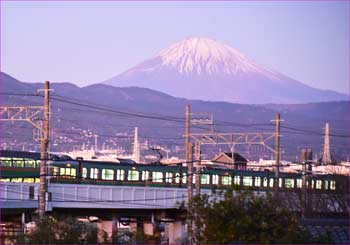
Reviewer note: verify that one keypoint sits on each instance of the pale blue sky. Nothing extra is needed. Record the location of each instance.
(89, 42)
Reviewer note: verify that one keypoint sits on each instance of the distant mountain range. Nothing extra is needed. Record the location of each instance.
(71, 121)
(206, 69)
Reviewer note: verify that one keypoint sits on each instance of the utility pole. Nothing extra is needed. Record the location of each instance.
(33, 115)
(212, 138)
(44, 148)
(189, 155)
(304, 196)
(190, 173)
(278, 149)
(190, 212)
(197, 188)
(189, 162)
(303, 185)
(198, 166)
(188, 132)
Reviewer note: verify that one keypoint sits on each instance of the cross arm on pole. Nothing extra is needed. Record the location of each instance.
(29, 114)
(233, 138)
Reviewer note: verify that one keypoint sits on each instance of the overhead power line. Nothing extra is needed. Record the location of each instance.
(90, 106)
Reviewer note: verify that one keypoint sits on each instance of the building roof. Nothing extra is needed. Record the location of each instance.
(236, 157)
(126, 161)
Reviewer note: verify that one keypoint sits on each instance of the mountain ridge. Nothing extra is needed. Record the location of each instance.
(70, 120)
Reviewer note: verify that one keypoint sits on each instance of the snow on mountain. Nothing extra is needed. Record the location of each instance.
(206, 69)
(202, 55)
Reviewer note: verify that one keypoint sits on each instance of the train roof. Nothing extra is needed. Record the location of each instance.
(20, 154)
(129, 164)
(162, 167)
(31, 155)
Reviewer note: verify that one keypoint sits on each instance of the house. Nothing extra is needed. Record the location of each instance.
(225, 158)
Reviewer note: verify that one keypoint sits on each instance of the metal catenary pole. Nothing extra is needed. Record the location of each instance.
(278, 149)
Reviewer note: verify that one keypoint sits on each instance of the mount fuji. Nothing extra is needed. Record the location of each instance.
(206, 69)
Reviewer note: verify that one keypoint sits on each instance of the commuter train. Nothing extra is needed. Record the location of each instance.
(24, 167)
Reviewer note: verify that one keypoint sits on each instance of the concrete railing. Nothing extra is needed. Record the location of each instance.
(25, 195)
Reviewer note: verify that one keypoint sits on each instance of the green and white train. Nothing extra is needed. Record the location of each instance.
(24, 167)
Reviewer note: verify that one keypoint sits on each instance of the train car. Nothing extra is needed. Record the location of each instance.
(24, 167)
(19, 166)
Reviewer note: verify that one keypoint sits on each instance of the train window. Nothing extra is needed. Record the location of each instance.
(237, 180)
(332, 185)
(16, 180)
(62, 171)
(289, 183)
(299, 183)
(94, 173)
(257, 181)
(56, 171)
(120, 174)
(318, 184)
(215, 179)
(133, 175)
(145, 175)
(177, 178)
(5, 180)
(73, 172)
(280, 182)
(326, 185)
(184, 178)
(6, 162)
(108, 174)
(157, 177)
(265, 181)
(247, 180)
(68, 172)
(205, 179)
(37, 164)
(271, 182)
(37, 180)
(226, 180)
(18, 162)
(168, 177)
(29, 163)
(28, 180)
(84, 173)
(312, 184)
(193, 178)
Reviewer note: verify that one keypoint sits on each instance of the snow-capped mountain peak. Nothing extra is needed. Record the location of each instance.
(208, 57)
(206, 69)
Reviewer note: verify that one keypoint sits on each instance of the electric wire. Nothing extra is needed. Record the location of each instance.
(168, 118)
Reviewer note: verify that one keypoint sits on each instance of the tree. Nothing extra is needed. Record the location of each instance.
(59, 230)
(241, 216)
